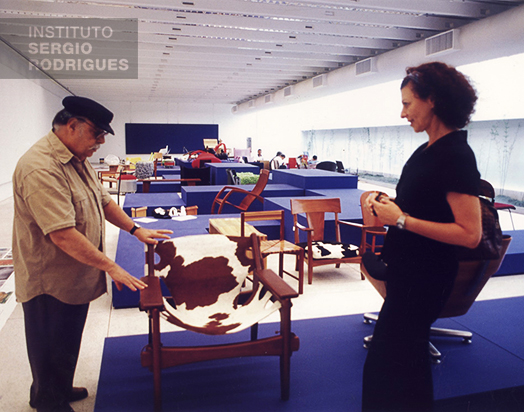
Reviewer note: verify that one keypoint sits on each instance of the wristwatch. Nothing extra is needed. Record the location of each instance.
(401, 221)
(137, 226)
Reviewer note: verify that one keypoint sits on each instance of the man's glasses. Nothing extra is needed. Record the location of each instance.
(97, 132)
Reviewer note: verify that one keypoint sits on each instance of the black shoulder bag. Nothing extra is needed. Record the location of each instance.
(491, 242)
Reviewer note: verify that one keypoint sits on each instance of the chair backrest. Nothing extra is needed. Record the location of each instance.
(257, 190)
(340, 167)
(205, 275)
(471, 278)
(368, 217)
(487, 190)
(327, 165)
(315, 210)
(262, 216)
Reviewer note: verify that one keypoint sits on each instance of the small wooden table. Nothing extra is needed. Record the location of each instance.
(230, 226)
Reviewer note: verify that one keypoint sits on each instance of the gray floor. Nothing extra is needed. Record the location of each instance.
(334, 292)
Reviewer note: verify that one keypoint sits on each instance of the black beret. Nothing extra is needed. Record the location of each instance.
(84, 107)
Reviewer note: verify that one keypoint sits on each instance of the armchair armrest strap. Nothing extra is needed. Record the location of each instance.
(304, 228)
(276, 284)
(151, 297)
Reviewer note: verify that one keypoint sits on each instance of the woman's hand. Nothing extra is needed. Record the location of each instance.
(466, 230)
(384, 208)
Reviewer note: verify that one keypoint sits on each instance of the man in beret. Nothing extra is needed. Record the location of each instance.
(58, 246)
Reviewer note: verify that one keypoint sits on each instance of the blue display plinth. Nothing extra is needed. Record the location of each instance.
(314, 179)
(152, 201)
(160, 186)
(203, 196)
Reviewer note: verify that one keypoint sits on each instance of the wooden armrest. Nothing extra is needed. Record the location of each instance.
(275, 284)
(343, 222)
(375, 228)
(110, 179)
(151, 297)
(304, 228)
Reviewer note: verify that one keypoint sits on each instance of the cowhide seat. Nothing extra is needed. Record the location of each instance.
(318, 251)
(218, 286)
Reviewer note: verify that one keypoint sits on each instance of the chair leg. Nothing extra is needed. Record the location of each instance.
(154, 341)
(436, 356)
(511, 217)
(281, 265)
(465, 335)
(254, 332)
(309, 270)
(285, 358)
(300, 263)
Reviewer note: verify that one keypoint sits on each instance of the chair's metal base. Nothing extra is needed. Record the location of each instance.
(436, 356)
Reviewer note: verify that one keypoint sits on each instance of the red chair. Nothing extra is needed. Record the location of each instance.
(222, 197)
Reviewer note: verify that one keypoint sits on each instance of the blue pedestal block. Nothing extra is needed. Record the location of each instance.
(187, 172)
(513, 263)
(160, 187)
(314, 179)
(152, 201)
(203, 196)
(160, 170)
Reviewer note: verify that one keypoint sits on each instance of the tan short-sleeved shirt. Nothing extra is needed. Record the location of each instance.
(50, 193)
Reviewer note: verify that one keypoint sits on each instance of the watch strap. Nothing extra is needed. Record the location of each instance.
(401, 221)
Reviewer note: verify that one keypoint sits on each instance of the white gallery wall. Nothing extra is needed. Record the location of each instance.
(27, 108)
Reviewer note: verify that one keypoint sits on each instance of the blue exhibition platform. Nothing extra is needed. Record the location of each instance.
(283, 186)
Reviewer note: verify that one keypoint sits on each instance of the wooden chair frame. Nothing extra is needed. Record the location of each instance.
(223, 195)
(375, 228)
(280, 245)
(315, 210)
(156, 357)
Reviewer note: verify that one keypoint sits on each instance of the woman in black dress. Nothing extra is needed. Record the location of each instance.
(436, 207)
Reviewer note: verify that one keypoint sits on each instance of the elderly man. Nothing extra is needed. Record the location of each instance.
(58, 246)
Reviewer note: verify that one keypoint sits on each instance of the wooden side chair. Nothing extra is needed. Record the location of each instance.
(375, 228)
(205, 275)
(223, 195)
(319, 252)
(471, 278)
(125, 182)
(280, 245)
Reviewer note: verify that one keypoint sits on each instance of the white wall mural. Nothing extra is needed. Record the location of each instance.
(384, 150)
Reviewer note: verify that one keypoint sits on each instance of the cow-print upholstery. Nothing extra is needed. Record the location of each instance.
(205, 274)
(331, 250)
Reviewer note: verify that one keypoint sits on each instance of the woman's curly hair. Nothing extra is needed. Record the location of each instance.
(453, 95)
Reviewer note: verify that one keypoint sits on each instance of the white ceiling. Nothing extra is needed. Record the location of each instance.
(231, 51)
